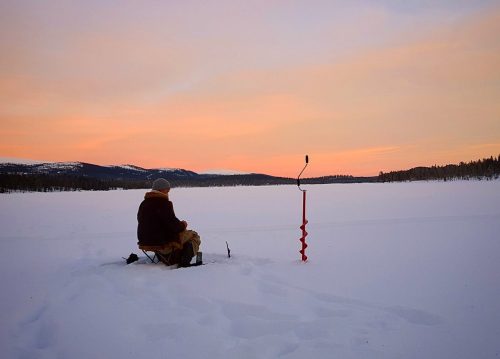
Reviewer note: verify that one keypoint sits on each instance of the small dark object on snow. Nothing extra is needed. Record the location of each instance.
(132, 258)
(228, 250)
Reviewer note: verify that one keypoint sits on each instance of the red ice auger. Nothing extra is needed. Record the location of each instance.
(304, 220)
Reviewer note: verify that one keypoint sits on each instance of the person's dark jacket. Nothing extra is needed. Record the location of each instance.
(158, 224)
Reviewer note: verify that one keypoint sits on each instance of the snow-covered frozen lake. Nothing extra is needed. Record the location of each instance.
(406, 270)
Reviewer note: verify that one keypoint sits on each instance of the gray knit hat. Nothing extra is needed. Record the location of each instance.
(160, 183)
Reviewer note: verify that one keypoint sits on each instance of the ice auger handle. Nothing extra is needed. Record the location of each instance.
(300, 174)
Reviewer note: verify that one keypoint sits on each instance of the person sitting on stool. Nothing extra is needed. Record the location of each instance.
(158, 226)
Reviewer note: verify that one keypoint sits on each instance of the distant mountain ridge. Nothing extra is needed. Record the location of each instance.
(68, 176)
(80, 175)
(117, 172)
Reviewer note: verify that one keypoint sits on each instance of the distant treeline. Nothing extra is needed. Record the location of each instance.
(337, 179)
(60, 182)
(487, 168)
(264, 180)
(12, 182)
(51, 183)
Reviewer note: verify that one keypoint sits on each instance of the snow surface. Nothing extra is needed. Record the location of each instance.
(407, 270)
(60, 165)
(167, 169)
(20, 161)
(127, 167)
(41, 166)
(140, 169)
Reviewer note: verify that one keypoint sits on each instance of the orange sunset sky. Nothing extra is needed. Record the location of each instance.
(253, 86)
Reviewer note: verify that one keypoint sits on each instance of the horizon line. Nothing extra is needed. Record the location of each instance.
(25, 161)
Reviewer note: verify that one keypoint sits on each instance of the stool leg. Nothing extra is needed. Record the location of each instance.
(147, 255)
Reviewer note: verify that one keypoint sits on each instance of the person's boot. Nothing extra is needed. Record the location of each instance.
(199, 259)
(187, 254)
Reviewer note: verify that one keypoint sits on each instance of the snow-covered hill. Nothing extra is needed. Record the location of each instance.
(407, 270)
(89, 176)
(122, 172)
(20, 161)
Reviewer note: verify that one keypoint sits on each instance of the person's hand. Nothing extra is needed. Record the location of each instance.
(185, 223)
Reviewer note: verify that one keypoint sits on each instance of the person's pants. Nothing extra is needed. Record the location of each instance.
(189, 236)
(182, 251)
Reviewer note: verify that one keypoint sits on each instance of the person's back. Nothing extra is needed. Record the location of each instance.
(157, 223)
